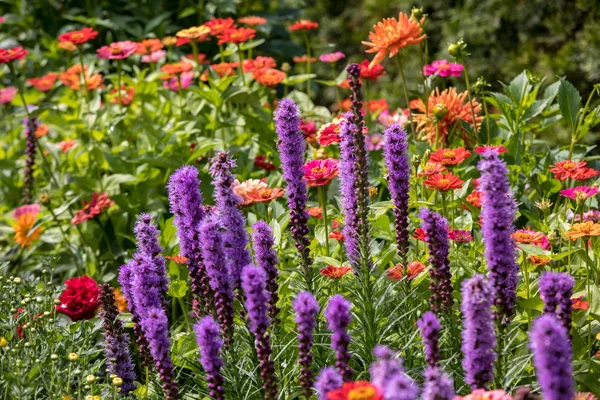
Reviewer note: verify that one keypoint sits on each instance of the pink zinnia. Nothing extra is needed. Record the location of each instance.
(7, 94)
(498, 148)
(320, 172)
(460, 236)
(332, 57)
(2, 19)
(26, 209)
(186, 80)
(117, 50)
(579, 192)
(374, 142)
(387, 118)
(154, 56)
(528, 236)
(482, 394)
(443, 68)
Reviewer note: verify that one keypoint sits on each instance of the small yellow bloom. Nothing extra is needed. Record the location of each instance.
(169, 40)
(117, 381)
(72, 357)
(3, 342)
(194, 33)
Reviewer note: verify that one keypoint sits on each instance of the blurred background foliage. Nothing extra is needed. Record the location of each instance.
(549, 37)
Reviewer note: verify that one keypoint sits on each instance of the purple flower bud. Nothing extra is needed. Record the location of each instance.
(388, 374)
(210, 344)
(306, 308)
(396, 161)
(498, 214)
(116, 341)
(254, 282)
(338, 318)
(556, 289)
(479, 336)
(30, 128)
(436, 229)
(438, 385)
(552, 357)
(429, 325)
(329, 379)
(231, 217)
(266, 258)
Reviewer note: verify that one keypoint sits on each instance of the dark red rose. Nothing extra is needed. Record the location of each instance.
(80, 298)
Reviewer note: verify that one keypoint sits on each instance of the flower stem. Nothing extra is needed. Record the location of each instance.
(323, 202)
(468, 83)
(241, 68)
(412, 122)
(307, 63)
(119, 67)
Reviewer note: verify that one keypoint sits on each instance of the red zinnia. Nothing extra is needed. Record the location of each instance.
(370, 72)
(449, 156)
(330, 134)
(315, 212)
(359, 390)
(579, 304)
(78, 37)
(236, 36)
(475, 198)
(304, 24)
(334, 272)
(260, 161)
(443, 182)
(337, 235)
(420, 234)
(80, 299)
(569, 169)
(44, 83)
(8, 55)
(218, 26)
(93, 208)
(258, 63)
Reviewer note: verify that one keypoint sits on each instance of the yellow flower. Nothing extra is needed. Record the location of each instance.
(3, 342)
(195, 32)
(72, 357)
(391, 35)
(583, 230)
(169, 40)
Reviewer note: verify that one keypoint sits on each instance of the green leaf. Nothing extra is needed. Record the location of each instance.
(178, 288)
(569, 103)
(297, 79)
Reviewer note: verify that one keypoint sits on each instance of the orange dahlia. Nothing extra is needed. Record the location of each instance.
(391, 35)
(443, 182)
(25, 217)
(458, 109)
(268, 76)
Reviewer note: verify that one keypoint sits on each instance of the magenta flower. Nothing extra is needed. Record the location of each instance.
(173, 83)
(2, 19)
(117, 50)
(460, 236)
(486, 394)
(386, 118)
(374, 142)
(580, 193)
(320, 172)
(443, 68)
(7, 94)
(154, 57)
(332, 57)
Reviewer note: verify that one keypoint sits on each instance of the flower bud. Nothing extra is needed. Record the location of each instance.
(373, 192)
(117, 381)
(417, 13)
(53, 356)
(17, 281)
(90, 379)
(72, 357)
(440, 111)
(416, 160)
(45, 198)
(458, 50)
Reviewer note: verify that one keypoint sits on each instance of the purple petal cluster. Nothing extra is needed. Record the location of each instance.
(156, 328)
(210, 345)
(479, 336)
(254, 282)
(396, 160)
(263, 244)
(498, 214)
(436, 229)
(338, 318)
(388, 374)
(31, 125)
(556, 289)
(116, 341)
(306, 308)
(213, 254)
(430, 325)
(231, 217)
(438, 385)
(329, 379)
(148, 283)
(552, 357)
(126, 282)
(291, 146)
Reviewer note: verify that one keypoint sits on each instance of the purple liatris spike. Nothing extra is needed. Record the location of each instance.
(156, 328)
(231, 217)
(266, 258)
(306, 308)
(338, 318)
(429, 325)
(211, 239)
(479, 336)
(329, 379)
(396, 160)
(30, 128)
(438, 385)
(552, 357)
(116, 341)
(254, 282)
(388, 374)
(185, 199)
(556, 289)
(210, 345)
(354, 187)
(148, 285)
(292, 145)
(436, 229)
(498, 214)
(126, 282)
(146, 234)
(355, 96)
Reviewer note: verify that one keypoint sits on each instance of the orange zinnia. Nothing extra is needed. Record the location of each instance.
(268, 76)
(72, 78)
(236, 36)
(303, 59)
(218, 26)
(225, 68)
(148, 46)
(449, 156)
(25, 219)
(443, 182)
(539, 261)
(265, 195)
(44, 83)
(304, 24)
(41, 130)
(569, 169)
(334, 272)
(391, 35)
(431, 168)
(252, 20)
(176, 68)
(583, 230)
(458, 109)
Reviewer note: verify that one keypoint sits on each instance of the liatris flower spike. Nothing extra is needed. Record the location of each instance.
(116, 341)
(429, 325)
(438, 385)
(556, 289)
(266, 258)
(338, 318)
(31, 125)
(210, 345)
(306, 308)
(328, 380)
